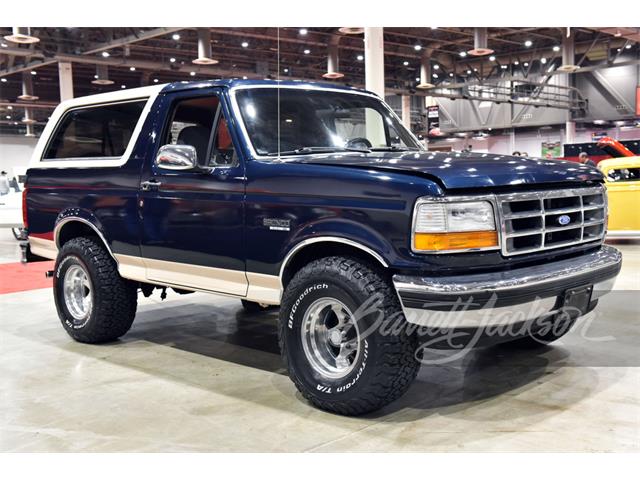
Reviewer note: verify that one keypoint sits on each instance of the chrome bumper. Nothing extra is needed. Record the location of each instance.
(506, 297)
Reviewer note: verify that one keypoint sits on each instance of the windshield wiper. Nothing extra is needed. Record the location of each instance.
(392, 148)
(308, 150)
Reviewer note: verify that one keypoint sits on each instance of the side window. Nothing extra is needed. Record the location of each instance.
(192, 122)
(95, 132)
(624, 175)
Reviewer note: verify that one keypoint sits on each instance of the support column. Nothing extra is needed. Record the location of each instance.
(374, 81)
(570, 131)
(406, 111)
(374, 59)
(568, 66)
(65, 75)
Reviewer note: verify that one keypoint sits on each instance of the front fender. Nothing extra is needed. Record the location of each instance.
(340, 230)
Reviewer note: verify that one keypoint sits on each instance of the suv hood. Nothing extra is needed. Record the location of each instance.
(464, 170)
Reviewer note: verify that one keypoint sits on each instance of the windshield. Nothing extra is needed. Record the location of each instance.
(319, 121)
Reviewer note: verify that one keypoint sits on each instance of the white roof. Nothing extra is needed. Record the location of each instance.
(115, 96)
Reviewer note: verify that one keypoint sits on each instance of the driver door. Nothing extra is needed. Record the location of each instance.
(192, 221)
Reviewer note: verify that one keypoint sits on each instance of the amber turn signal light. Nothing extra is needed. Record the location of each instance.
(454, 241)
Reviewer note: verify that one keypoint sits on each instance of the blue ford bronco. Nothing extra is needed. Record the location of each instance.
(314, 198)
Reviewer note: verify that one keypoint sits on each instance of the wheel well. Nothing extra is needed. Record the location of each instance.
(74, 229)
(325, 249)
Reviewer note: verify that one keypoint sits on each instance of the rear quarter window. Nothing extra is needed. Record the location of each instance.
(95, 132)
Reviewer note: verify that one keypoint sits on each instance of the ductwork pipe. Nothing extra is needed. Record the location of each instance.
(102, 76)
(27, 88)
(425, 71)
(21, 35)
(480, 47)
(568, 55)
(204, 48)
(332, 60)
(29, 121)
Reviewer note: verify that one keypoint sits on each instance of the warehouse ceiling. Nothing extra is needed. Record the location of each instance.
(143, 56)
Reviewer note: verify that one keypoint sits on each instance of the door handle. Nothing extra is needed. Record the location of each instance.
(150, 185)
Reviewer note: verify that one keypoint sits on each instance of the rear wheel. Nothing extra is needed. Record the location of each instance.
(331, 340)
(95, 304)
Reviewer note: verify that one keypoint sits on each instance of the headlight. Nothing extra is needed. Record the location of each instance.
(454, 226)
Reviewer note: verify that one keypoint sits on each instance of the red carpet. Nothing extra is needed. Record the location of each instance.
(18, 277)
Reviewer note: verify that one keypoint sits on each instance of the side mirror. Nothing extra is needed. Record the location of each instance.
(177, 157)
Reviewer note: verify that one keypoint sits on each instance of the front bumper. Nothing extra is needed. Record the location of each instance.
(511, 296)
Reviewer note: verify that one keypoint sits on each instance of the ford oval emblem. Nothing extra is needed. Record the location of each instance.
(564, 220)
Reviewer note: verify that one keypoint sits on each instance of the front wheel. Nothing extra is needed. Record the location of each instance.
(333, 339)
(95, 304)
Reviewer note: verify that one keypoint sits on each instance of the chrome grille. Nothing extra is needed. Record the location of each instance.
(534, 221)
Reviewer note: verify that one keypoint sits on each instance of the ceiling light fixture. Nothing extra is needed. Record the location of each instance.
(405, 63)
(176, 36)
(556, 48)
(307, 51)
(436, 66)
(360, 57)
(303, 31)
(193, 74)
(3, 80)
(417, 48)
(628, 46)
(351, 30)
(492, 58)
(463, 54)
(172, 60)
(528, 43)
(33, 72)
(543, 60)
(155, 80)
(106, 54)
(133, 69)
(244, 44)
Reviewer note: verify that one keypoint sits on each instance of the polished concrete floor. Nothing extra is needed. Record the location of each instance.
(196, 373)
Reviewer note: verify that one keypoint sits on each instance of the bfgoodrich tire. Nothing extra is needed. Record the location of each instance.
(336, 354)
(95, 304)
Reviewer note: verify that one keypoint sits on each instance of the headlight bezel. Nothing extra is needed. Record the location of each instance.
(458, 199)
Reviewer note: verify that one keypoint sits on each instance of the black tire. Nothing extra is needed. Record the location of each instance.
(255, 307)
(550, 331)
(383, 367)
(113, 299)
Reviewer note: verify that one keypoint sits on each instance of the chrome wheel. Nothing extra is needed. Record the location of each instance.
(330, 338)
(78, 294)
